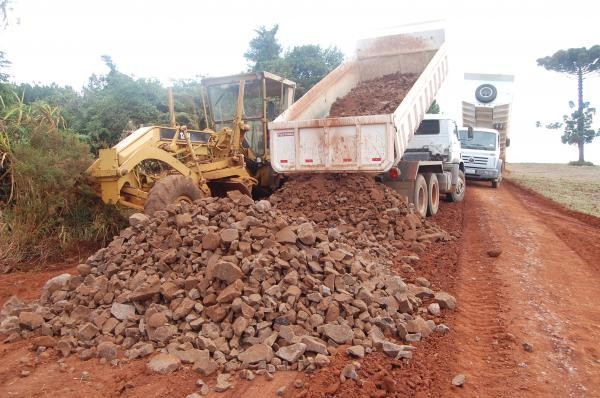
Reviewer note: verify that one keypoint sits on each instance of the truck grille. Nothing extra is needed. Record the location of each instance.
(475, 160)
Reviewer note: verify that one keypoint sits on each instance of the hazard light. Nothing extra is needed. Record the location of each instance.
(394, 173)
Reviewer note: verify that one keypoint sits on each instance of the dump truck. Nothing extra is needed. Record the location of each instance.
(159, 165)
(306, 139)
(486, 109)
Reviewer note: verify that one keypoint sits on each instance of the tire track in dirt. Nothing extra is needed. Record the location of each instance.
(538, 291)
(483, 343)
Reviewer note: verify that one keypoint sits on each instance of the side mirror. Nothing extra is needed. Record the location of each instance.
(470, 132)
(507, 142)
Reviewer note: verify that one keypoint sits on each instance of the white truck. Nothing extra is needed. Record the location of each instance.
(304, 139)
(486, 109)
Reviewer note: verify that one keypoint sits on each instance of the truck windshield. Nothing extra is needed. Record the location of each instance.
(484, 140)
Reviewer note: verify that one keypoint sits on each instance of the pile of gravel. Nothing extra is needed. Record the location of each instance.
(231, 284)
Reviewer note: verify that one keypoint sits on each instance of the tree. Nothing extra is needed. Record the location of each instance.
(434, 108)
(115, 102)
(572, 134)
(307, 65)
(4, 63)
(264, 48)
(578, 62)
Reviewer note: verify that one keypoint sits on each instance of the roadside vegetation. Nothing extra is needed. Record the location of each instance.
(577, 191)
(50, 134)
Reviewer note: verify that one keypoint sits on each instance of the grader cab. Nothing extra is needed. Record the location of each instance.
(156, 166)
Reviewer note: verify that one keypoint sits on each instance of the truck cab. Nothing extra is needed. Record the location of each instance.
(481, 155)
(438, 137)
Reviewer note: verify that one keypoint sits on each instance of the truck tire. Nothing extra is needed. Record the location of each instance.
(495, 183)
(420, 195)
(169, 190)
(459, 194)
(433, 194)
(486, 93)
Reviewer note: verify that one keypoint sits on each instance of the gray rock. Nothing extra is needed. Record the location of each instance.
(338, 333)
(349, 372)
(314, 344)
(107, 350)
(223, 382)
(30, 320)
(256, 354)
(163, 363)
(206, 368)
(458, 380)
(434, 309)
(122, 311)
(445, 300)
(192, 355)
(356, 351)
(262, 206)
(291, 353)
(138, 219)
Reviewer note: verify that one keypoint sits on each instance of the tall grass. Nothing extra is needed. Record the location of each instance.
(47, 206)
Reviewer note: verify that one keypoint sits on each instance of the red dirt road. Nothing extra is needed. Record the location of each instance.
(543, 289)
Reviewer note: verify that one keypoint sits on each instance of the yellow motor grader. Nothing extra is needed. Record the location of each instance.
(156, 166)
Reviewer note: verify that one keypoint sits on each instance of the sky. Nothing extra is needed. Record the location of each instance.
(62, 41)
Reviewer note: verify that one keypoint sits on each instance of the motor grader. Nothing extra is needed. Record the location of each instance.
(158, 165)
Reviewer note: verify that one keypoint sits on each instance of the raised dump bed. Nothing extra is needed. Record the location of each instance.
(305, 138)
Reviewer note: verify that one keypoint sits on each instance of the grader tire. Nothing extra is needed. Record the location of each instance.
(169, 190)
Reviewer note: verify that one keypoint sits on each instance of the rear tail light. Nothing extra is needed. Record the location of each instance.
(394, 173)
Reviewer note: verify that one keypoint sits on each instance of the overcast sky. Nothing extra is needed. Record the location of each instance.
(62, 41)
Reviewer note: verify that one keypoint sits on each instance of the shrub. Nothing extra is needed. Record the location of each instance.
(578, 163)
(50, 206)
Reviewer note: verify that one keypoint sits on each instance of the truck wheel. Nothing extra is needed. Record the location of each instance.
(433, 194)
(495, 184)
(459, 192)
(420, 195)
(169, 190)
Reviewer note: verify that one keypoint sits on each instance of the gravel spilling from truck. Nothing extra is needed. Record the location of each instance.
(229, 284)
(374, 97)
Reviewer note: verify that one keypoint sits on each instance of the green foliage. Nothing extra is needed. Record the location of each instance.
(554, 126)
(306, 65)
(47, 205)
(4, 63)
(578, 62)
(578, 163)
(572, 134)
(573, 61)
(263, 48)
(434, 108)
(115, 103)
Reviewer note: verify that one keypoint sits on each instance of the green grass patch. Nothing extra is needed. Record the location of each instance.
(577, 188)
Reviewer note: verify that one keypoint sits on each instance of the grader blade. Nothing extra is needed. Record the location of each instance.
(220, 188)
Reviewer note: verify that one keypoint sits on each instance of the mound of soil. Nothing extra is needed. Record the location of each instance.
(374, 97)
